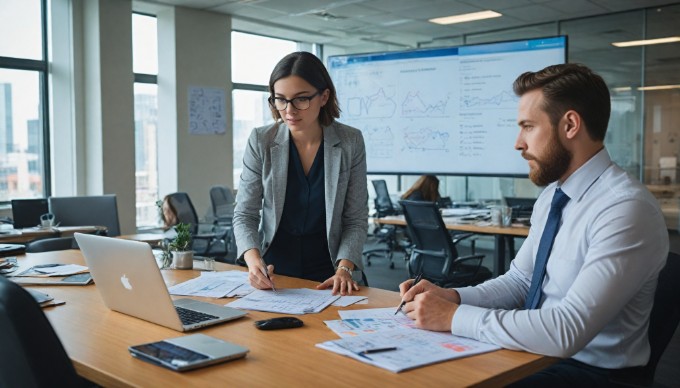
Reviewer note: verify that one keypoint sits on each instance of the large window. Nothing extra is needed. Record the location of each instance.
(145, 67)
(24, 162)
(250, 70)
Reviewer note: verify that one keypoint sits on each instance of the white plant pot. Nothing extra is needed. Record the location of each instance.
(183, 260)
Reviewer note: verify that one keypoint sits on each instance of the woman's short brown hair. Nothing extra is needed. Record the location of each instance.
(310, 68)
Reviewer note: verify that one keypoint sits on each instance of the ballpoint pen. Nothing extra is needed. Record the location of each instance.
(403, 302)
(266, 273)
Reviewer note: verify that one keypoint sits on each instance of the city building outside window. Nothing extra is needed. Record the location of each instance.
(24, 161)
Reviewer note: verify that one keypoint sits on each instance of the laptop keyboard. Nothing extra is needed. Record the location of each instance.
(189, 317)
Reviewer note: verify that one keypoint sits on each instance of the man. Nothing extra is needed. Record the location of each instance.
(601, 232)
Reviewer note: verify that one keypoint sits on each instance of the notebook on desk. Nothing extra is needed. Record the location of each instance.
(130, 282)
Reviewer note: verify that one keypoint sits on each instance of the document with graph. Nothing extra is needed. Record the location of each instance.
(286, 301)
(404, 349)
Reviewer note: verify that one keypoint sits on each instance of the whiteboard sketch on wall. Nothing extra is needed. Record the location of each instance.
(207, 111)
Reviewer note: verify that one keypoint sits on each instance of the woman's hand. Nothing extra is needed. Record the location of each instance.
(257, 272)
(341, 282)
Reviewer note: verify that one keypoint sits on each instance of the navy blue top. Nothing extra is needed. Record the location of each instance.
(300, 247)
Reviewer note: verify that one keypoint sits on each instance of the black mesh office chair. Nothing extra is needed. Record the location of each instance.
(205, 244)
(663, 322)
(32, 355)
(96, 210)
(386, 235)
(521, 207)
(223, 202)
(434, 254)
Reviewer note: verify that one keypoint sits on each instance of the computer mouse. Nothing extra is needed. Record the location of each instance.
(278, 323)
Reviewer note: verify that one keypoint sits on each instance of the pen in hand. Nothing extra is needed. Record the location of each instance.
(403, 302)
(266, 273)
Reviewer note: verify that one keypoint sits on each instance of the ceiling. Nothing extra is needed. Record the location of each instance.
(398, 23)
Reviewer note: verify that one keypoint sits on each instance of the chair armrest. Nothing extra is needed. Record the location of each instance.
(458, 237)
(463, 259)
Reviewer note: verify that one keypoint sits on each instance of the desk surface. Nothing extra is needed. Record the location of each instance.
(97, 339)
(451, 224)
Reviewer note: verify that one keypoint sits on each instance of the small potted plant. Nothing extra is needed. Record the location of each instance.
(182, 255)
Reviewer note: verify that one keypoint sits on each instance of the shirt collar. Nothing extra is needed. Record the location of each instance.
(580, 181)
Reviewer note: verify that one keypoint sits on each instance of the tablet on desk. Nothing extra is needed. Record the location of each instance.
(188, 352)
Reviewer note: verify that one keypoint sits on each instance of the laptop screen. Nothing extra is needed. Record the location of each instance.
(26, 212)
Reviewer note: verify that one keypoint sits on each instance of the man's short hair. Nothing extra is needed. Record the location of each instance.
(570, 86)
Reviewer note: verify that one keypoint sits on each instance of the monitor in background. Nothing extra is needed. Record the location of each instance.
(442, 110)
(26, 212)
(521, 207)
(96, 210)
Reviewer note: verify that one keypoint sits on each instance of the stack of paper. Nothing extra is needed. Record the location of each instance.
(381, 338)
(286, 301)
(212, 284)
(406, 348)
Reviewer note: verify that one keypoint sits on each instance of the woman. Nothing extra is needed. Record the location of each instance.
(426, 188)
(168, 214)
(306, 174)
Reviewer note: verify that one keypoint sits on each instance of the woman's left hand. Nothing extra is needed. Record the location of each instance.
(341, 282)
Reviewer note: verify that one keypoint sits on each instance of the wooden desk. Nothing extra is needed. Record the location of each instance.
(30, 234)
(503, 236)
(151, 238)
(97, 339)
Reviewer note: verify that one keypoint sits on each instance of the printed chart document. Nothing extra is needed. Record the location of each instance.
(286, 301)
(211, 284)
(358, 322)
(403, 349)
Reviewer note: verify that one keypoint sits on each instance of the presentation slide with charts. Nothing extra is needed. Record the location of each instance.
(444, 110)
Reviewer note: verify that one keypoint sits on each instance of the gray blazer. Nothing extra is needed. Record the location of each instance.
(263, 188)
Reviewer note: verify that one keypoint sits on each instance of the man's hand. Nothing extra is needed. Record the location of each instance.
(409, 293)
(431, 311)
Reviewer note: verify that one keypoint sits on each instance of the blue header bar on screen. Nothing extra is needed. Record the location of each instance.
(488, 48)
(344, 60)
(520, 45)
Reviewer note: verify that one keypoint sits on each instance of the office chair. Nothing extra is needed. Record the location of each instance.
(386, 234)
(434, 254)
(663, 322)
(32, 355)
(223, 203)
(97, 210)
(51, 244)
(26, 212)
(202, 243)
(521, 207)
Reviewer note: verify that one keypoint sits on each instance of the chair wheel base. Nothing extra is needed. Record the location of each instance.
(391, 265)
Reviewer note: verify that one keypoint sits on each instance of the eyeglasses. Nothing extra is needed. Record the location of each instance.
(299, 103)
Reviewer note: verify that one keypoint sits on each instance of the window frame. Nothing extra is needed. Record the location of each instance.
(42, 68)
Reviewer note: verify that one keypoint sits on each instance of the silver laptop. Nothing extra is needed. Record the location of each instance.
(129, 281)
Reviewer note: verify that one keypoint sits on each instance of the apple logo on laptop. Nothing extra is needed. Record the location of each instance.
(126, 282)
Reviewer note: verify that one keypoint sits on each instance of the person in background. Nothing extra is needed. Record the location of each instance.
(304, 178)
(168, 214)
(582, 285)
(426, 188)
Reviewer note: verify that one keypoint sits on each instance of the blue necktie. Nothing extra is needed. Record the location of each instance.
(544, 247)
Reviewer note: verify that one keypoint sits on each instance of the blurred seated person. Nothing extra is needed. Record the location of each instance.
(426, 188)
(169, 217)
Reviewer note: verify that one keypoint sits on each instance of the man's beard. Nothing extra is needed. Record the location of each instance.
(555, 164)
